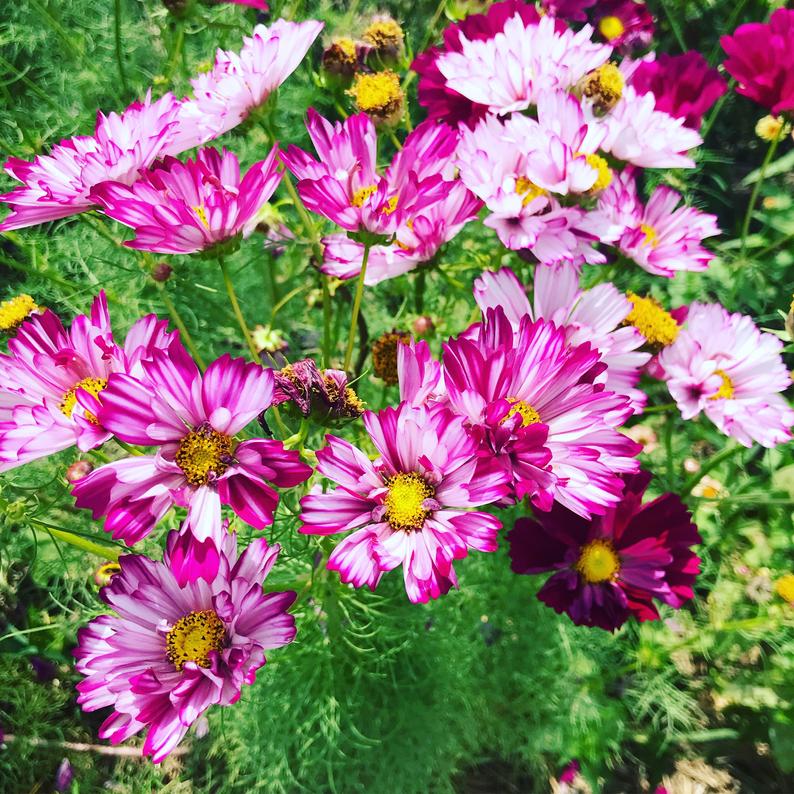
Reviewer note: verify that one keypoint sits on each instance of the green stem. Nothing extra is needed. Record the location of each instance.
(119, 47)
(180, 324)
(238, 313)
(674, 26)
(351, 339)
(106, 552)
(326, 321)
(706, 128)
(128, 447)
(419, 291)
(710, 465)
(770, 153)
(659, 409)
(176, 51)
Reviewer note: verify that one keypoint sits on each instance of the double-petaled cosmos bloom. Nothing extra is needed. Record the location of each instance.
(612, 567)
(193, 420)
(530, 399)
(344, 185)
(183, 208)
(511, 70)
(597, 316)
(684, 86)
(53, 378)
(172, 649)
(722, 365)
(761, 59)
(660, 237)
(58, 184)
(626, 24)
(409, 507)
(239, 83)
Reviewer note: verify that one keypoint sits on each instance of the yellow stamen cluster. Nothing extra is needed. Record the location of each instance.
(203, 454)
(726, 389)
(529, 416)
(15, 311)
(201, 214)
(770, 128)
(385, 35)
(603, 87)
(784, 587)
(384, 355)
(350, 405)
(601, 166)
(340, 57)
(650, 318)
(193, 637)
(611, 27)
(529, 190)
(362, 194)
(598, 562)
(651, 235)
(404, 503)
(106, 572)
(379, 95)
(69, 401)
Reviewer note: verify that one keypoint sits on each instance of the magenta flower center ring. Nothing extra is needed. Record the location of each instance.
(193, 637)
(598, 562)
(405, 501)
(204, 454)
(92, 386)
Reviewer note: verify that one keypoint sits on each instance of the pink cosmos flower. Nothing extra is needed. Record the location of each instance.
(183, 208)
(192, 420)
(420, 377)
(528, 396)
(626, 24)
(761, 59)
(53, 378)
(684, 86)
(658, 237)
(411, 506)
(511, 70)
(595, 316)
(241, 82)
(172, 649)
(344, 186)
(722, 365)
(612, 567)
(439, 100)
(58, 184)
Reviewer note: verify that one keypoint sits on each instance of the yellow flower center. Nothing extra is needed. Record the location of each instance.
(405, 501)
(601, 166)
(106, 572)
(201, 214)
(611, 27)
(604, 86)
(529, 190)
(362, 194)
(529, 416)
(383, 34)
(652, 320)
(598, 562)
(15, 311)
(92, 386)
(378, 94)
(651, 235)
(784, 587)
(193, 637)
(725, 391)
(384, 355)
(204, 454)
(348, 47)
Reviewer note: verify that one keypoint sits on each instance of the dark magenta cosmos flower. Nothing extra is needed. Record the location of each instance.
(627, 25)
(761, 59)
(684, 86)
(613, 566)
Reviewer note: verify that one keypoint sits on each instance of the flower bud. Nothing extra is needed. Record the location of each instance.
(162, 271)
(423, 325)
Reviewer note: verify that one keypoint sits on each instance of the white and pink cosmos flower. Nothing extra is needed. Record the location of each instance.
(193, 420)
(409, 507)
(59, 184)
(174, 649)
(531, 399)
(187, 207)
(660, 237)
(512, 69)
(721, 364)
(595, 315)
(53, 379)
(345, 186)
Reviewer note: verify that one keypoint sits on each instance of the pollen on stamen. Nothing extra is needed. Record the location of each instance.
(14, 311)
(68, 402)
(204, 454)
(405, 501)
(598, 562)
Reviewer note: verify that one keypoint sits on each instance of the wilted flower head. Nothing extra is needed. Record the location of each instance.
(770, 128)
(343, 56)
(386, 37)
(379, 95)
(323, 392)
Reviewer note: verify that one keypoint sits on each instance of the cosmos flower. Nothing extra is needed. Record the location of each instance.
(183, 208)
(192, 420)
(324, 393)
(511, 70)
(239, 83)
(597, 316)
(172, 650)
(58, 184)
(626, 24)
(409, 507)
(761, 59)
(344, 186)
(529, 398)
(435, 95)
(612, 567)
(660, 237)
(419, 375)
(684, 86)
(722, 365)
(52, 380)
